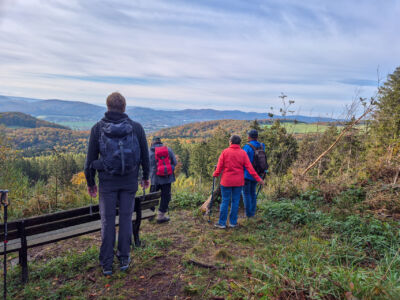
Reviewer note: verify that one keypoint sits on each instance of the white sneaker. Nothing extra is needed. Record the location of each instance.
(220, 226)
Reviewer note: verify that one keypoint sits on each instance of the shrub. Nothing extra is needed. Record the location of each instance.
(369, 234)
(294, 212)
(184, 199)
(350, 197)
(314, 196)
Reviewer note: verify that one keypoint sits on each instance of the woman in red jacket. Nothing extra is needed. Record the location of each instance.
(231, 164)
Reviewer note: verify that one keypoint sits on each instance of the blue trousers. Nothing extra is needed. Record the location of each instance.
(250, 197)
(108, 203)
(229, 194)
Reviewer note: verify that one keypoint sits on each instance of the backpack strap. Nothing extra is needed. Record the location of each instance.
(253, 147)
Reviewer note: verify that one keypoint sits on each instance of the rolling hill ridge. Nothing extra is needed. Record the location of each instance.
(85, 114)
(21, 120)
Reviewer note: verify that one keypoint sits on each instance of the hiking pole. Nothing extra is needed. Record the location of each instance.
(260, 186)
(211, 201)
(5, 202)
(212, 198)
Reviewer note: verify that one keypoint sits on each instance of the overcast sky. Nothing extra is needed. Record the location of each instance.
(222, 54)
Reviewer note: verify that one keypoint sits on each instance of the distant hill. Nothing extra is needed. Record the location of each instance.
(18, 119)
(203, 129)
(85, 114)
(52, 110)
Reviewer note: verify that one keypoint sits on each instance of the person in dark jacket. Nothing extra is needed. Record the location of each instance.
(118, 171)
(250, 183)
(162, 183)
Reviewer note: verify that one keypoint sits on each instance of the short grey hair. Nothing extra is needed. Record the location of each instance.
(235, 139)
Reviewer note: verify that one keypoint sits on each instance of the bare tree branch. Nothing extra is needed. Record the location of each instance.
(337, 140)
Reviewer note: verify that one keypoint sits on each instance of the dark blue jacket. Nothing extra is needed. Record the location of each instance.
(250, 153)
(108, 182)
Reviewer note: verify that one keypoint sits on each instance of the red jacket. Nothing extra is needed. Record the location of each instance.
(231, 164)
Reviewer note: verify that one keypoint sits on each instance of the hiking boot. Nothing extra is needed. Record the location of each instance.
(107, 270)
(220, 226)
(233, 226)
(124, 263)
(161, 217)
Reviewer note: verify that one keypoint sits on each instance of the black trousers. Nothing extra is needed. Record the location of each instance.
(165, 195)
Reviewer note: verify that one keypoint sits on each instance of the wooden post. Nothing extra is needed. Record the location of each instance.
(23, 253)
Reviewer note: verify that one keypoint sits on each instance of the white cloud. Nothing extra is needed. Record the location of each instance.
(220, 54)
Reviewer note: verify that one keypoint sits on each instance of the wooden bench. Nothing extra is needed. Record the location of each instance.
(50, 228)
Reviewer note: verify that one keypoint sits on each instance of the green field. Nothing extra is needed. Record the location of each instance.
(78, 125)
(303, 127)
(306, 128)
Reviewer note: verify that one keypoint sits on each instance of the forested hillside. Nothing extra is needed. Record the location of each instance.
(203, 129)
(18, 119)
(41, 141)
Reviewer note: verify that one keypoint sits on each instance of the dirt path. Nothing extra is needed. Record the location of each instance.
(158, 270)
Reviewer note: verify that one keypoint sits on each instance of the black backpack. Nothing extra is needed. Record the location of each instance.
(260, 163)
(119, 148)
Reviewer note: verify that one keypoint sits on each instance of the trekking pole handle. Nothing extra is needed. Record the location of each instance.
(4, 198)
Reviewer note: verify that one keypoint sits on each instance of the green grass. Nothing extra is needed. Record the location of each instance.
(293, 247)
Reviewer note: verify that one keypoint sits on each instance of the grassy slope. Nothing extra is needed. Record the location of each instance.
(290, 251)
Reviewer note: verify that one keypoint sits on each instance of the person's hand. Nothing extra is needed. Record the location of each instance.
(92, 191)
(145, 183)
(261, 182)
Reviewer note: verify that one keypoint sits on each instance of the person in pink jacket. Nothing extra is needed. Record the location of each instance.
(231, 164)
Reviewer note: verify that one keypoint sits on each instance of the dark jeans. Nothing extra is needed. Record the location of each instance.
(165, 195)
(250, 197)
(108, 202)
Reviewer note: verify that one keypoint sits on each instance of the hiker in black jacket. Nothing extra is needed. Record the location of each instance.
(162, 175)
(117, 147)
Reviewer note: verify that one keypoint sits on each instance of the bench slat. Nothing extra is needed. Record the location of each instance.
(60, 234)
(66, 214)
(51, 226)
